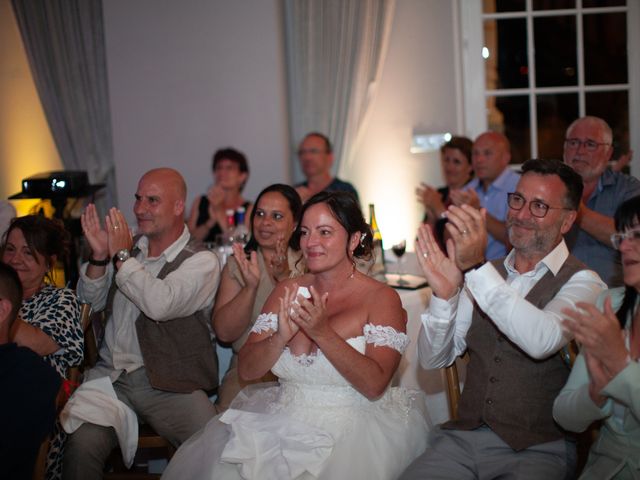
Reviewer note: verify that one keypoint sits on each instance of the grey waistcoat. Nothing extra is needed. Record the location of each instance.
(506, 389)
(178, 354)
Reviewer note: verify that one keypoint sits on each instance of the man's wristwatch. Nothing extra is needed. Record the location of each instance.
(98, 263)
(121, 255)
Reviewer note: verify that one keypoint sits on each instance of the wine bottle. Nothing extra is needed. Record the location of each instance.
(241, 233)
(378, 268)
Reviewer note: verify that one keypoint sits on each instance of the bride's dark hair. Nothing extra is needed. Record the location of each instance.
(345, 209)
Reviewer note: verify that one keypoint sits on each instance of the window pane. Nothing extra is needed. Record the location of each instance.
(555, 46)
(553, 4)
(603, 3)
(555, 114)
(506, 65)
(605, 47)
(510, 115)
(493, 6)
(614, 108)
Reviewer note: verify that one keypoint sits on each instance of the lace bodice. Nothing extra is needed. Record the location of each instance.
(312, 379)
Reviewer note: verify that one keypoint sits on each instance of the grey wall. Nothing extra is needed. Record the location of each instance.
(188, 77)
(191, 76)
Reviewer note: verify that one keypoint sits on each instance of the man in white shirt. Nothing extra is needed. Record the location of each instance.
(507, 314)
(157, 295)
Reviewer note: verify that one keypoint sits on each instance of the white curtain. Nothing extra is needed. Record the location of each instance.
(335, 51)
(64, 42)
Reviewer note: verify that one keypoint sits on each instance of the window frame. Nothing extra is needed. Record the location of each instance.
(471, 33)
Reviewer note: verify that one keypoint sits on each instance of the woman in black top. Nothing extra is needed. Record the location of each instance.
(207, 217)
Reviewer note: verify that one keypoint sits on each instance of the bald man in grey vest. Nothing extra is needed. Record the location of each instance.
(157, 291)
(507, 315)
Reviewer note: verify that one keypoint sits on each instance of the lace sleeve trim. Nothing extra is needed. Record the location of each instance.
(385, 336)
(265, 322)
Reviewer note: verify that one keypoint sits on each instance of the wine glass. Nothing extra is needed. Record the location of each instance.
(398, 250)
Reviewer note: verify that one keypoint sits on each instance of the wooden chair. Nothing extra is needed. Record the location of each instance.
(453, 386)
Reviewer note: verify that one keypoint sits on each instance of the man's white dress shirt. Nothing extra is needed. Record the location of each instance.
(538, 332)
(188, 289)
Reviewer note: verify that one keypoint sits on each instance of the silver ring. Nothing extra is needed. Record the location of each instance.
(425, 255)
(464, 232)
(115, 227)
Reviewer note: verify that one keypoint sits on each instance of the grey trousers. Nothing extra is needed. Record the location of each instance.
(481, 455)
(175, 416)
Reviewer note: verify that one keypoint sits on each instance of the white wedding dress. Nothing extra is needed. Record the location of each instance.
(312, 425)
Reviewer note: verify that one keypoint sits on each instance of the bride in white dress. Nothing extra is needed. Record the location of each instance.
(334, 337)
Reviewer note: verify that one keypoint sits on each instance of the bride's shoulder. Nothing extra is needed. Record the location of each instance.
(381, 294)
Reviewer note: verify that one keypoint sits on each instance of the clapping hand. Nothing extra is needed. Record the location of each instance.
(467, 228)
(311, 314)
(215, 195)
(599, 333)
(431, 200)
(249, 267)
(279, 261)
(464, 197)
(118, 233)
(96, 236)
(440, 270)
(287, 328)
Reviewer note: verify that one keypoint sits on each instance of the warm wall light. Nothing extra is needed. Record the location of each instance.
(428, 142)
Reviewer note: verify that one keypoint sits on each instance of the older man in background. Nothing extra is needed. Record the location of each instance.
(588, 149)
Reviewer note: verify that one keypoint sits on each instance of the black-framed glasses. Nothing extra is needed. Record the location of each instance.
(536, 207)
(589, 145)
(618, 237)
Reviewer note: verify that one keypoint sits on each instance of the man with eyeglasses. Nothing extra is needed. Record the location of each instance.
(588, 149)
(507, 315)
(316, 158)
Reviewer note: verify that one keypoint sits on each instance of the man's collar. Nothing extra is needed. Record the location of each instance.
(607, 178)
(500, 183)
(172, 251)
(553, 260)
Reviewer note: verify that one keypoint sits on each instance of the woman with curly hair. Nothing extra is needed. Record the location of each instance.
(49, 319)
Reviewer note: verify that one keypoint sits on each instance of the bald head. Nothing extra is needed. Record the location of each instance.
(170, 178)
(159, 206)
(490, 156)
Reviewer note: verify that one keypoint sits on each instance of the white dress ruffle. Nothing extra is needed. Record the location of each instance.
(312, 425)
